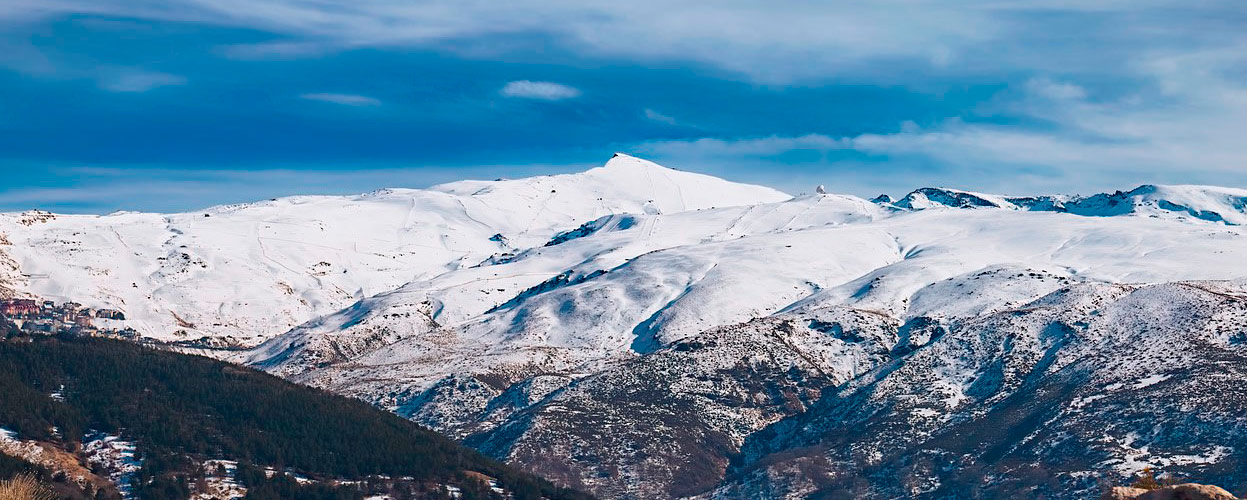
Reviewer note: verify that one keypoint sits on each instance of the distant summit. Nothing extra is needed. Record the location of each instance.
(1209, 203)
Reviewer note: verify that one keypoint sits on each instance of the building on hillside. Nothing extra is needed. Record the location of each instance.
(82, 331)
(110, 314)
(45, 316)
(38, 325)
(19, 308)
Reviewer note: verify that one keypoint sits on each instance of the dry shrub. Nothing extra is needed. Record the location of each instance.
(1146, 480)
(24, 487)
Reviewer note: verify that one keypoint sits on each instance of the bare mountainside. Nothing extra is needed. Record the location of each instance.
(640, 332)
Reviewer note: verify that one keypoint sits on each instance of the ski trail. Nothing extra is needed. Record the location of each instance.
(799, 214)
(679, 191)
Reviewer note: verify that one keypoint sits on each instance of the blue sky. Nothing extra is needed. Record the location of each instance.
(178, 104)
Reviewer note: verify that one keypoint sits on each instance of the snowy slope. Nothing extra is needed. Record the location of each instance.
(620, 292)
(611, 325)
(1092, 382)
(248, 272)
(591, 292)
(635, 282)
(1210, 203)
(619, 314)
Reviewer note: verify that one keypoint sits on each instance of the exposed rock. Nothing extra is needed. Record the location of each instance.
(1188, 491)
(1122, 493)
(1043, 400)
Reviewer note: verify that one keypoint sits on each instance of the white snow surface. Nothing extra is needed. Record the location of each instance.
(251, 271)
(632, 284)
(562, 274)
(432, 303)
(1211, 203)
(117, 457)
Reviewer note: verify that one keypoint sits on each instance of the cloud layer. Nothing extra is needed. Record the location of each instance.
(546, 91)
(139, 81)
(1185, 127)
(1023, 96)
(108, 189)
(773, 43)
(344, 99)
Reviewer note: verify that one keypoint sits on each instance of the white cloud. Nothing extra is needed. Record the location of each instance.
(1054, 90)
(751, 147)
(754, 38)
(659, 117)
(766, 42)
(1184, 127)
(139, 81)
(344, 99)
(1153, 88)
(887, 41)
(548, 91)
(170, 189)
(29, 58)
(284, 50)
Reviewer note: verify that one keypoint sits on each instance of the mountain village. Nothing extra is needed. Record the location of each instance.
(46, 316)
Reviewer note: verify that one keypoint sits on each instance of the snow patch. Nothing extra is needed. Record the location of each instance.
(1150, 380)
(117, 457)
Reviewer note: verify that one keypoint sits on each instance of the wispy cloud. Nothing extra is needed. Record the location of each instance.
(734, 35)
(659, 117)
(166, 189)
(138, 81)
(547, 91)
(283, 50)
(1047, 88)
(1093, 91)
(344, 99)
(815, 40)
(1184, 126)
(711, 147)
(29, 59)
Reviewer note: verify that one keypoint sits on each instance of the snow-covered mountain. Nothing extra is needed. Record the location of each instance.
(631, 284)
(669, 332)
(241, 274)
(1209, 203)
(702, 328)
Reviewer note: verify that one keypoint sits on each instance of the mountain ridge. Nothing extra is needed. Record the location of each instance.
(1211, 203)
(680, 325)
(321, 253)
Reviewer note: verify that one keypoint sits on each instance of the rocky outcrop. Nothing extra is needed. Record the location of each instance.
(1122, 493)
(1188, 491)
(1046, 399)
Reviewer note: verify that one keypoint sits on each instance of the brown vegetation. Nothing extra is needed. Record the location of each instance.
(24, 487)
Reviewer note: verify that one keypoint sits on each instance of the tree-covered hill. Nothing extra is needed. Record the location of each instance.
(182, 411)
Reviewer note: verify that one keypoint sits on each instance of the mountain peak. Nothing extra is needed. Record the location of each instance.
(930, 197)
(626, 161)
(1209, 203)
(667, 189)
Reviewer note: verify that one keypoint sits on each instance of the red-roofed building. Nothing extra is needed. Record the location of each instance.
(19, 307)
